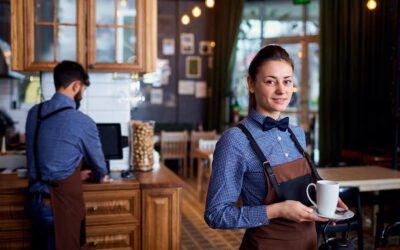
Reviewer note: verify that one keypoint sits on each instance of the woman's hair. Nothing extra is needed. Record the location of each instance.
(268, 53)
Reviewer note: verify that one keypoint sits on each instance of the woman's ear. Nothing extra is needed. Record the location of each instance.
(250, 84)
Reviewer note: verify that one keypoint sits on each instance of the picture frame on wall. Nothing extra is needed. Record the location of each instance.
(205, 48)
(168, 46)
(193, 67)
(187, 44)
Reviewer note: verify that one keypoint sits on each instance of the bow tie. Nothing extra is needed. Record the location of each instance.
(270, 123)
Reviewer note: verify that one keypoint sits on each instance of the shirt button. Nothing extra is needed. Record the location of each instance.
(279, 138)
(286, 154)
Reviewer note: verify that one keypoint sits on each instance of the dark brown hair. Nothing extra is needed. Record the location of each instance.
(268, 53)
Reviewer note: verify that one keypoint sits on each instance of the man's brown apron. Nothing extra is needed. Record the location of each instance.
(287, 181)
(66, 199)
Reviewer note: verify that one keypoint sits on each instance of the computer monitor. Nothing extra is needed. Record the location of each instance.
(111, 140)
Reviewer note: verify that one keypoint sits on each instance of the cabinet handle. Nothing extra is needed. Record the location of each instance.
(94, 209)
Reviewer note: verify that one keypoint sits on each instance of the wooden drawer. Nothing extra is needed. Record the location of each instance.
(112, 207)
(13, 212)
(13, 240)
(116, 237)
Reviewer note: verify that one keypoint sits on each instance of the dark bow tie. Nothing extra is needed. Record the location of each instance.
(270, 123)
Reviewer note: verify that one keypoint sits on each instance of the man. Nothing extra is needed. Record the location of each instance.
(59, 138)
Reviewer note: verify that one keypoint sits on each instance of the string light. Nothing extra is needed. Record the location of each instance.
(196, 11)
(210, 3)
(185, 19)
(371, 4)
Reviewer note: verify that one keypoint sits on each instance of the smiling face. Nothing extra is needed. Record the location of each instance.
(272, 87)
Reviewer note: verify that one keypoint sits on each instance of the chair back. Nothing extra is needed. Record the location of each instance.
(207, 144)
(195, 136)
(174, 144)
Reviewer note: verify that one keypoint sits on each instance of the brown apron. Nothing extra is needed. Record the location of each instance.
(287, 181)
(66, 199)
(68, 212)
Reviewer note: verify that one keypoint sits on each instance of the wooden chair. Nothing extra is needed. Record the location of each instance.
(174, 146)
(204, 168)
(195, 136)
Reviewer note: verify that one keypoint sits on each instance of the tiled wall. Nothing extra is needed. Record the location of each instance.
(105, 101)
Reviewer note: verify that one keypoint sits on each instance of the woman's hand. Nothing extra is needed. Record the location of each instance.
(292, 210)
(341, 204)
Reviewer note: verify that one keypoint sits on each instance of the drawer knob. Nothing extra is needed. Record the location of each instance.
(94, 209)
(93, 244)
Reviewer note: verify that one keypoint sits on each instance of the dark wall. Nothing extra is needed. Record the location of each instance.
(5, 21)
(188, 108)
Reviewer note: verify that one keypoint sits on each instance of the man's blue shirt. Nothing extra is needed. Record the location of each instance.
(236, 170)
(63, 141)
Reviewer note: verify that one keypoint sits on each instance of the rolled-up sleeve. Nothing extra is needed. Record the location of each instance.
(225, 186)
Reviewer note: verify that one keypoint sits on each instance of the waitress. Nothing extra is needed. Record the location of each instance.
(262, 159)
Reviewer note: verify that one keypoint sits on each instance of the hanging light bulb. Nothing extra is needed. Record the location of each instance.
(185, 19)
(196, 11)
(371, 4)
(210, 3)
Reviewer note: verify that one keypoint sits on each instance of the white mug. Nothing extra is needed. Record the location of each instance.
(327, 196)
(22, 173)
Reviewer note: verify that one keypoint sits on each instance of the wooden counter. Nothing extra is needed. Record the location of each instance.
(144, 213)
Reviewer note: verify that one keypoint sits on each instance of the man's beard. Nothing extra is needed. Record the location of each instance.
(78, 99)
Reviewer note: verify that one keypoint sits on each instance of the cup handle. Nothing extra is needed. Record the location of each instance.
(308, 195)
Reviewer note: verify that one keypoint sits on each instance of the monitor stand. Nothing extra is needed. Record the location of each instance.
(108, 167)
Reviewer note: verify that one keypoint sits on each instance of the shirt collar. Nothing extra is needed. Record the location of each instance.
(64, 100)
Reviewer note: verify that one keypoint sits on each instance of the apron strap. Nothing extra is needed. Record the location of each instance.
(39, 121)
(305, 154)
(268, 172)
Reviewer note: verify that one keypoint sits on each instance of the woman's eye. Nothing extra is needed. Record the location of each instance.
(269, 82)
(288, 82)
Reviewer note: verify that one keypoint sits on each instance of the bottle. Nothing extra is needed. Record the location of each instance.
(236, 111)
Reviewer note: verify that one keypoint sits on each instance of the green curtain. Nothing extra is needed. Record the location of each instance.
(227, 21)
(356, 76)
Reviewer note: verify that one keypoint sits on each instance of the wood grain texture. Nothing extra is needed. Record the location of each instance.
(17, 35)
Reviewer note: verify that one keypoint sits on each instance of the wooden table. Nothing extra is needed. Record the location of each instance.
(366, 178)
(203, 157)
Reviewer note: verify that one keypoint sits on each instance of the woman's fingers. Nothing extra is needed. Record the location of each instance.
(342, 204)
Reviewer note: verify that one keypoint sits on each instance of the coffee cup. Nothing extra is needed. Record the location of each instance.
(22, 172)
(327, 196)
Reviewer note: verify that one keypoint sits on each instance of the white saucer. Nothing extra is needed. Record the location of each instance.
(340, 214)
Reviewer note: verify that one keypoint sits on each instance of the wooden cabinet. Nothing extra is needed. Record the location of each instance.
(103, 35)
(161, 215)
(135, 214)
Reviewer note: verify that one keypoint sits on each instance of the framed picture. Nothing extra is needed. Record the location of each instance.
(205, 48)
(193, 67)
(187, 43)
(168, 46)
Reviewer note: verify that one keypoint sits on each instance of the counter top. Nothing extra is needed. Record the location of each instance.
(158, 178)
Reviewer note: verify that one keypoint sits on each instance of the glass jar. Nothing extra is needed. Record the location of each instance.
(142, 133)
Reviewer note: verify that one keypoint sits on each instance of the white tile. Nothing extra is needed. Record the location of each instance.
(110, 116)
(108, 103)
(116, 89)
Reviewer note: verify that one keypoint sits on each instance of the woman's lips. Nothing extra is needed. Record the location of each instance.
(279, 100)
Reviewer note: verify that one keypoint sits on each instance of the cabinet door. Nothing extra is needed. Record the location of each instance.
(121, 35)
(55, 32)
(113, 237)
(161, 218)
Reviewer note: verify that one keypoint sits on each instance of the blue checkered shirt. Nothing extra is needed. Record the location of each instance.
(236, 170)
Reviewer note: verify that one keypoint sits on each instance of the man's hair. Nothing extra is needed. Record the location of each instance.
(68, 71)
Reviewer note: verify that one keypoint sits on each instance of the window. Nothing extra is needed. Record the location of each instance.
(296, 28)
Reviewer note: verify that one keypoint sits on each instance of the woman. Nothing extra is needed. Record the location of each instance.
(263, 161)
